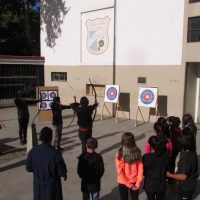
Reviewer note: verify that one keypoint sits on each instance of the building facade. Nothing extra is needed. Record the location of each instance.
(154, 43)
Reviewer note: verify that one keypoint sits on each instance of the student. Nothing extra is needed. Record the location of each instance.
(90, 170)
(47, 166)
(22, 103)
(186, 171)
(175, 132)
(188, 122)
(84, 113)
(155, 168)
(57, 121)
(129, 167)
(159, 131)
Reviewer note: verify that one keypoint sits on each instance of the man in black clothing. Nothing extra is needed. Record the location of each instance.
(47, 165)
(23, 114)
(57, 121)
(90, 170)
(84, 113)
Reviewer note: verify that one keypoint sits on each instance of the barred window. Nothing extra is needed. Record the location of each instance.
(194, 29)
(58, 76)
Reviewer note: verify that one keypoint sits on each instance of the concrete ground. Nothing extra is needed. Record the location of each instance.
(17, 184)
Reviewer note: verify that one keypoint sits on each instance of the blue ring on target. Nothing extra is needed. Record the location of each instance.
(43, 95)
(111, 93)
(52, 94)
(43, 105)
(147, 97)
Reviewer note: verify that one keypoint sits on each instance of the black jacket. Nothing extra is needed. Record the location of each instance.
(57, 113)
(84, 114)
(22, 107)
(47, 166)
(155, 168)
(90, 170)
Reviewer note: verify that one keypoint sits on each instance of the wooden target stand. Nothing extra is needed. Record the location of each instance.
(157, 113)
(117, 109)
(43, 115)
(140, 112)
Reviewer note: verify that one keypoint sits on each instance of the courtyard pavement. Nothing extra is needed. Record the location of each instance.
(17, 184)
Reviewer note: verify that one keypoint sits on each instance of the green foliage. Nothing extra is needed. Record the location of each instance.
(13, 38)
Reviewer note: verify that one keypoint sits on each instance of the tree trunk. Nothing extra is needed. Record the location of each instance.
(28, 27)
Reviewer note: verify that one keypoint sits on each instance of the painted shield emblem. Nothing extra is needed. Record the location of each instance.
(97, 35)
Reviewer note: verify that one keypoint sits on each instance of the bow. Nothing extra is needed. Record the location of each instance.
(74, 113)
(70, 123)
(95, 98)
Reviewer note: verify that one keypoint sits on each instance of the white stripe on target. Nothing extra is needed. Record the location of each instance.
(111, 93)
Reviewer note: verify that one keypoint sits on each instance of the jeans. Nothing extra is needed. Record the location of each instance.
(83, 136)
(23, 124)
(95, 196)
(57, 134)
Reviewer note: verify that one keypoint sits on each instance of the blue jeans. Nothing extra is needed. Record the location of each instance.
(95, 196)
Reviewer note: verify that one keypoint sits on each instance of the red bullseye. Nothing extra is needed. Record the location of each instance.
(147, 97)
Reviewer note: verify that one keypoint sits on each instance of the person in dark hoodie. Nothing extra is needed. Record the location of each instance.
(84, 113)
(90, 169)
(47, 165)
(22, 103)
(57, 121)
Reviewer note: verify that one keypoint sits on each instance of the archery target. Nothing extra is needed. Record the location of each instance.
(111, 93)
(45, 105)
(52, 94)
(44, 95)
(147, 97)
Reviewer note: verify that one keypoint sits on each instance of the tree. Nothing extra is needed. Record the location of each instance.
(20, 27)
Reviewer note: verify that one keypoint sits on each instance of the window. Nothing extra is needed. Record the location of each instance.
(100, 89)
(194, 1)
(58, 76)
(194, 29)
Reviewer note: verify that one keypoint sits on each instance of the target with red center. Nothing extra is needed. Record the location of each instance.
(147, 97)
(44, 95)
(111, 93)
(43, 105)
(52, 94)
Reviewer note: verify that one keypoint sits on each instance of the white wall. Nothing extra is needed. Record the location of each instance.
(149, 32)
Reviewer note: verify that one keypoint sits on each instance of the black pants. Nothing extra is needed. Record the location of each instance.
(123, 191)
(23, 124)
(83, 136)
(183, 195)
(155, 195)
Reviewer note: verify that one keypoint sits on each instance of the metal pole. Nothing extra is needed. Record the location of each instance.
(114, 51)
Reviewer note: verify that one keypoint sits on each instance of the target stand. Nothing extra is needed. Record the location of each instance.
(117, 108)
(147, 98)
(112, 96)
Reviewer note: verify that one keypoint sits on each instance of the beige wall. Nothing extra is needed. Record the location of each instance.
(167, 78)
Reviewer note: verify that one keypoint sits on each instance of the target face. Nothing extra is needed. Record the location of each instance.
(44, 95)
(147, 97)
(111, 93)
(52, 94)
(43, 105)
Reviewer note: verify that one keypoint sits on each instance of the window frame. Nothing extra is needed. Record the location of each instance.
(53, 74)
(189, 31)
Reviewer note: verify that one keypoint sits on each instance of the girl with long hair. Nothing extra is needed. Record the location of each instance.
(129, 167)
